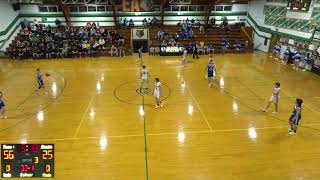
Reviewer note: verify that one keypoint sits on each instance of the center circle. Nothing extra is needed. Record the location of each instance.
(131, 92)
(143, 91)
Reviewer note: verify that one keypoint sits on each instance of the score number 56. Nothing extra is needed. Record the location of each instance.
(8, 154)
(47, 154)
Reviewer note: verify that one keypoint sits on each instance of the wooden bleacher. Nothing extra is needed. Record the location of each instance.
(214, 37)
(105, 52)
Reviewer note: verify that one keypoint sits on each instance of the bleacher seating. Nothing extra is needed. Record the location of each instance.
(103, 50)
(213, 37)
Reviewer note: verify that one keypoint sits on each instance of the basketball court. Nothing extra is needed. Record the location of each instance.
(104, 128)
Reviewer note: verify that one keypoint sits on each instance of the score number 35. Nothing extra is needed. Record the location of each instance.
(47, 154)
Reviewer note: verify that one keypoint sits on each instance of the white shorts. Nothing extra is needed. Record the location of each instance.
(274, 99)
(144, 79)
(157, 95)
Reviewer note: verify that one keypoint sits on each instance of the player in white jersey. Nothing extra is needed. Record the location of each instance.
(157, 93)
(144, 75)
(274, 98)
(184, 56)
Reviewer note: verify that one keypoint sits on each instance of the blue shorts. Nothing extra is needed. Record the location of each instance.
(294, 121)
(1, 105)
(210, 74)
(40, 83)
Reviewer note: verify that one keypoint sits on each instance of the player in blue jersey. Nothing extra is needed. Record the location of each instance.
(2, 107)
(211, 71)
(286, 56)
(305, 60)
(295, 116)
(276, 51)
(40, 81)
(296, 59)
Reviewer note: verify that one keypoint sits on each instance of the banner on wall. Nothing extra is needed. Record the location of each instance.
(138, 5)
(140, 34)
(179, 1)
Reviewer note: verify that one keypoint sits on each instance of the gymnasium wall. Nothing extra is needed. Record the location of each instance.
(237, 14)
(8, 19)
(30, 12)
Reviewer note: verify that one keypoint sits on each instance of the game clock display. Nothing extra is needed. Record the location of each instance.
(27, 160)
(299, 5)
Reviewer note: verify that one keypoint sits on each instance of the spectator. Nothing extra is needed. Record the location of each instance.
(25, 24)
(151, 51)
(121, 51)
(58, 22)
(144, 23)
(160, 35)
(131, 23)
(113, 51)
(101, 42)
(211, 49)
(164, 43)
(201, 29)
(121, 39)
(88, 26)
(224, 45)
(154, 22)
(157, 50)
(148, 22)
(35, 22)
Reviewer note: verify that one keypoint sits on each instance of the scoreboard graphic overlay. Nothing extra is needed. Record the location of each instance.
(27, 160)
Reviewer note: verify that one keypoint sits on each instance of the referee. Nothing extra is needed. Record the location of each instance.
(195, 51)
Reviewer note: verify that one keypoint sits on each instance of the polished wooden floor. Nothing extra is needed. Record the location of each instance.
(92, 115)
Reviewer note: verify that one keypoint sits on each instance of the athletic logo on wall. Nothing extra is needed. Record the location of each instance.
(140, 34)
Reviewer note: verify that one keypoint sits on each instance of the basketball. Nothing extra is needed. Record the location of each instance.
(47, 74)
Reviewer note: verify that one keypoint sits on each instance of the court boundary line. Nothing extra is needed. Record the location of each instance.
(83, 116)
(152, 134)
(145, 137)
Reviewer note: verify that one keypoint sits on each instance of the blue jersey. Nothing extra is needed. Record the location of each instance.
(287, 52)
(294, 113)
(210, 69)
(297, 56)
(224, 43)
(40, 80)
(39, 76)
(277, 48)
(1, 103)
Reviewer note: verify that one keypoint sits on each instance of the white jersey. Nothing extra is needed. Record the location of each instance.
(275, 94)
(185, 53)
(157, 89)
(144, 74)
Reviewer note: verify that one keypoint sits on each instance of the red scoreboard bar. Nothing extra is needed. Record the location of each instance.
(27, 160)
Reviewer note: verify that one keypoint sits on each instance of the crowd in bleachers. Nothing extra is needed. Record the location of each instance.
(126, 23)
(150, 22)
(186, 32)
(39, 41)
(299, 54)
